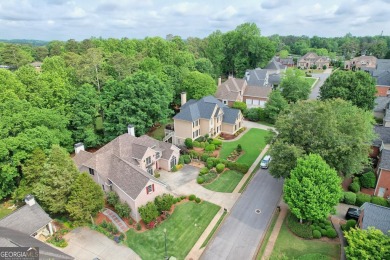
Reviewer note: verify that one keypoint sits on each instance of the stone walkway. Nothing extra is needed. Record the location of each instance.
(118, 222)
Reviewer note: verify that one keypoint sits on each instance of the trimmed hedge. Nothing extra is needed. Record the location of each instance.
(186, 158)
(301, 230)
(354, 187)
(349, 198)
(361, 198)
(220, 167)
(200, 180)
(188, 143)
(316, 234)
(192, 197)
(331, 233)
(210, 148)
(203, 171)
(379, 201)
(368, 180)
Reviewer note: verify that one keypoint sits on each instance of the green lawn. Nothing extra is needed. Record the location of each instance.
(311, 80)
(294, 247)
(4, 211)
(252, 144)
(159, 133)
(226, 182)
(184, 228)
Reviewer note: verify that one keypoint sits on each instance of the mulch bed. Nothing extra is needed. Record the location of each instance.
(100, 218)
(226, 136)
(367, 191)
(346, 183)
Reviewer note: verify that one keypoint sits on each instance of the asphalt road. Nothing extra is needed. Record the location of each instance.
(315, 92)
(243, 229)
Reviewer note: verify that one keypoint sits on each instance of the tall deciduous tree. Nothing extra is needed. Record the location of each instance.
(55, 185)
(294, 86)
(141, 100)
(284, 158)
(275, 104)
(367, 244)
(14, 56)
(357, 87)
(313, 189)
(86, 198)
(198, 85)
(338, 131)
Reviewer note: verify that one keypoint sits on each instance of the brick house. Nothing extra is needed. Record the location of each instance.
(361, 63)
(127, 165)
(311, 59)
(372, 215)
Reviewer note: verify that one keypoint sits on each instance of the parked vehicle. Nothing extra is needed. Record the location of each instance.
(265, 162)
(352, 213)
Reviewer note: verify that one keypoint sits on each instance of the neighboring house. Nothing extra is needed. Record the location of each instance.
(127, 164)
(311, 59)
(381, 106)
(37, 65)
(11, 238)
(288, 62)
(361, 63)
(205, 116)
(382, 188)
(376, 216)
(381, 73)
(231, 90)
(30, 219)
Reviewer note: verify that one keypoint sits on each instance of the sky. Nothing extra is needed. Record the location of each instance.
(83, 19)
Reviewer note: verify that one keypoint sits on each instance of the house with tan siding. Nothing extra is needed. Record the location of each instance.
(205, 116)
(361, 63)
(311, 59)
(127, 165)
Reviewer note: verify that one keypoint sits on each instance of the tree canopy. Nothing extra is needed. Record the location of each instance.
(338, 131)
(357, 87)
(313, 188)
(294, 86)
(275, 104)
(198, 85)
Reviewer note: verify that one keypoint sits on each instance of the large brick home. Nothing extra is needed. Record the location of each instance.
(372, 215)
(127, 165)
(361, 63)
(205, 116)
(311, 59)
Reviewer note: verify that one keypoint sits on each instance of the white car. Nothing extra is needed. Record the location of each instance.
(265, 162)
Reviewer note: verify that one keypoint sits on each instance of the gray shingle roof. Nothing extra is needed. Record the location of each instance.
(376, 216)
(383, 78)
(13, 238)
(27, 219)
(256, 77)
(383, 135)
(230, 115)
(387, 115)
(385, 160)
(381, 103)
(274, 79)
(254, 91)
(274, 65)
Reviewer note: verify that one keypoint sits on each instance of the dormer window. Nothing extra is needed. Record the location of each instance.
(195, 123)
(91, 171)
(158, 155)
(148, 160)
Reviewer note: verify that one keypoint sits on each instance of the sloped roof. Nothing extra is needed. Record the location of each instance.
(274, 65)
(381, 103)
(256, 77)
(376, 216)
(274, 78)
(383, 78)
(230, 115)
(14, 238)
(230, 89)
(254, 91)
(383, 135)
(385, 159)
(27, 219)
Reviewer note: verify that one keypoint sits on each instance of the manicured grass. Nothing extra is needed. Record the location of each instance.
(226, 182)
(287, 244)
(267, 235)
(311, 81)
(214, 229)
(252, 144)
(159, 133)
(184, 228)
(4, 211)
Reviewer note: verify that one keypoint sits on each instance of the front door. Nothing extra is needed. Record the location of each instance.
(381, 192)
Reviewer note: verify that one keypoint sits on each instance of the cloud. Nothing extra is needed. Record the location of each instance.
(273, 4)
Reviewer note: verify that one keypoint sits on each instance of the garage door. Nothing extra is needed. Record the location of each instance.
(249, 101)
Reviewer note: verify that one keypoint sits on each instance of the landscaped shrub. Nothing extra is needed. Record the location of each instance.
(123, 209)
(112, 198)
(204, 171)
(200, 180)
(164, 202)
(316, 234)
(239, 148)
(192, 197)
(104, 224)
(174, 168)
(197, 200)
(350, 198)
(220, 167)
(194, 154)
(148, 212)
(343, 227)
(240, 105)
(253, 114)
(179, 166)
(210, 148)
(188, 143)
(323, 232)
(183, 197)
(350, 224)
(186, 158)
(196, 144)
(240, 167)
(202, 144)
(157, 174)
(301, 230)
(181, 160)
(313, 227)
(209, 177)
(354, 187)
(327, 222)
(138, 227)
(368, 180)
(210, 164)
(204, 157)
(361, 198)
(331, 233)
(200, 139)
(379, 201)
(217, 142)
(322, 225)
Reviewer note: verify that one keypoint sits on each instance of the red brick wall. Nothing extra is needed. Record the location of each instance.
(383, 182)
(374, 152)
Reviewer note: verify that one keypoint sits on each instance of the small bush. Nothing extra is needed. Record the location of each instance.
(210, 176)
(157, 175)
(174, 168)
(301, 230)
(186, 158)
(350, 198)
(193, 155)
(204, 157)
(210, 148)
(192, 197)
(164, 202)
(331, 233)
(220, 167)
(217, 142)
(239, 105)
(323, 232)
(181, 160)
(112, 198)
(200, 180)
(197, 200)
(123, 209)
(239, 148)
(379, 201)
(368, 180)
(121, 237)
(322, 225)
(179, 166)
(196, 144)
(361, 198)
(354, 187)
(312, 227)
(350, 224)
(183, 197)
(104, 224)
(316, 234)
(200, 139)
(138, 227)
(188, 143)
(112, 228)
(327, 222)
(203, 171)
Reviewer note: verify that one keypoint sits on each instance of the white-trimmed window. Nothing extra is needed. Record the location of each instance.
(150, 189)
(248, 101)
(148, 160)
(224, 101)
(195, 123)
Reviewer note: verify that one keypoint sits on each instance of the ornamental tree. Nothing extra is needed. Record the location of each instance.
(313, 189)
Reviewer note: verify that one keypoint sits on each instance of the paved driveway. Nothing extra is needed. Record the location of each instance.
(243, 229)
(322, 77)
(176, 179)
(84, 244)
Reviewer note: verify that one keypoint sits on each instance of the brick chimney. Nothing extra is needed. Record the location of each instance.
(30, 200)
(130, 130)
(183, 98)
(79, 147)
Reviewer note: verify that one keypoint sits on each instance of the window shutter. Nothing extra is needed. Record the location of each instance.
(152, 187)
(147, 190)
